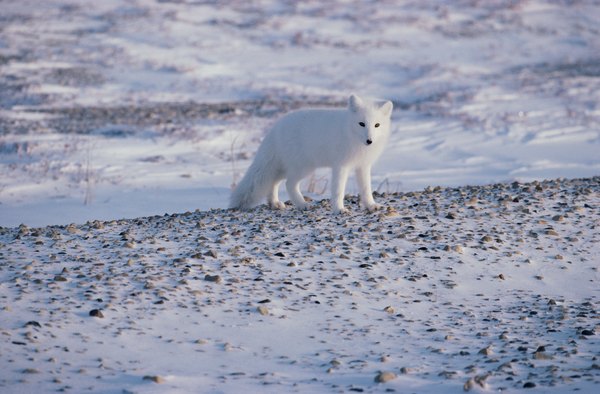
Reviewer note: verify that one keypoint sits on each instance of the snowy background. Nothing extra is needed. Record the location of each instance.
(125, 108)
(133, 109)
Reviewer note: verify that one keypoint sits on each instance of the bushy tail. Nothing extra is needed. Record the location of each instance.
(257, 181)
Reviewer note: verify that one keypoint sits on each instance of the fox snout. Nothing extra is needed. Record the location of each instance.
(369, 141)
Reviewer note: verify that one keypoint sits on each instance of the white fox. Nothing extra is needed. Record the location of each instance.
(304, 140)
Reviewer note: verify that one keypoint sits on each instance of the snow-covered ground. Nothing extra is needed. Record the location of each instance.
(119, 109)
(136, 109)
(492, 288)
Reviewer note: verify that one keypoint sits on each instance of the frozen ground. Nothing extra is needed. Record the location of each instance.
(485, 288)
(119, 109)
(133, 109)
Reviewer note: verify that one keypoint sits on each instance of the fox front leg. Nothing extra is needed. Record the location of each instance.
(363, 177)
(339, 177)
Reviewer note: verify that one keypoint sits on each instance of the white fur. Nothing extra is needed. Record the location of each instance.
(305, 140)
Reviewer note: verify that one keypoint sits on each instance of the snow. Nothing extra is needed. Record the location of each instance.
(484, 93)
(138, 109)
(492, 288)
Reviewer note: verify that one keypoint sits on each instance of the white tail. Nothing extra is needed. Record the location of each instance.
(258, 180)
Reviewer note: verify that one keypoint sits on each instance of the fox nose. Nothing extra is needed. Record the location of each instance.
(369, 141)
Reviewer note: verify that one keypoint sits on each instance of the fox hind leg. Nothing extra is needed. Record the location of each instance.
(293, 188)
(273, 197)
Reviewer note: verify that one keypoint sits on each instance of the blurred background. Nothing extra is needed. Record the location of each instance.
(121, 108)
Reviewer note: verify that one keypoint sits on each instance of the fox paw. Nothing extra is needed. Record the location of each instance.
(277, 205)
(374, 207)
(341, 211)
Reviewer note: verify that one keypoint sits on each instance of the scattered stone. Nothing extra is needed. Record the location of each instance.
(96, 313)
(486, 351)
(213, 278)
(211, 253)
(389, 309)
(154, 378)
(263, 310)
(487, 238)
(529, 385)
(384, 377)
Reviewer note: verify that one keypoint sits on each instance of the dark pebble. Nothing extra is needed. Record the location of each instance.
(33, 323)
(212, 278)
(96, 313)
(587, 332)
(529, 385)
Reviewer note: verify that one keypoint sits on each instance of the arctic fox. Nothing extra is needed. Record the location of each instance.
(304, 140)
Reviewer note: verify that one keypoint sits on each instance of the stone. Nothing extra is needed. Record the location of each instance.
(384, 377)
(154, 378)
(263, 310)
(96, 313)
(213, 278)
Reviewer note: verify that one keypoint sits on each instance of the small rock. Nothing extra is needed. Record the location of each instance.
(383, 377)
(211, 253)
(529, 385)
(263, 310)
(486, 351)
(60, 278)
(335, 363)
(96, 313)
(389, 309)
(558, 218)
(154, 378)
(213, 278)
(587, 333)
(451, 215)
(487, 238)
(501, 276)
(458, 248)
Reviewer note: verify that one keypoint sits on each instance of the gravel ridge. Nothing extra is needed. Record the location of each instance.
(491, 286)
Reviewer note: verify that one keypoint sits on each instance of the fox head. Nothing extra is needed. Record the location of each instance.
(370, 121)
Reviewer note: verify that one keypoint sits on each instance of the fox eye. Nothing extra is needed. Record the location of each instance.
(376, 124)
(362, 124)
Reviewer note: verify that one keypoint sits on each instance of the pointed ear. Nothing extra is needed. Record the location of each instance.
(355, 103)
(386, 108)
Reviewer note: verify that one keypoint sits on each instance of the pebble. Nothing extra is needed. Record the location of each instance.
(389, 309)
(154, 378)
(96, 313)
(263, 310)
(213, 278)
(384, 377)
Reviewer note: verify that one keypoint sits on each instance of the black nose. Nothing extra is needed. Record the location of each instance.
(369, 142)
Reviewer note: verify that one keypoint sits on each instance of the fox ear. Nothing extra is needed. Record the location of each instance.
(386, 108)
(355, 103)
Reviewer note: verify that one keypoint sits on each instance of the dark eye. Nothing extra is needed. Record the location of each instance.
(362, 124)
(376, 124)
